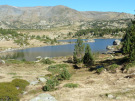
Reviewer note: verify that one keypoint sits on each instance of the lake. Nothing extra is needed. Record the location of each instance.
(30, 54)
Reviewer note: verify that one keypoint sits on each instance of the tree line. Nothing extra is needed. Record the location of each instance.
(99, 32)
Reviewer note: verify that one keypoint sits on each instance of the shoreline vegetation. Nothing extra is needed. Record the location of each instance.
(18, 39)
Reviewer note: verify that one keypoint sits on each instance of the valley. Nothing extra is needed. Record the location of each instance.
(56, 53)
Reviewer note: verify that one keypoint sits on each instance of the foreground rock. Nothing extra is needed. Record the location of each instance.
(110, 96)
(42, 79)
(34, 83)
(44, 97)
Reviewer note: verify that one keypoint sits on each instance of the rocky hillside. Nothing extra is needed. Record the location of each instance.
(50, 16)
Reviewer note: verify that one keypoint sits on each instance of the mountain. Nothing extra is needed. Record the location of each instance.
(50, 16)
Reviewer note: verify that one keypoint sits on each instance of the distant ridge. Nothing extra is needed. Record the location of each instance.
(50, 16)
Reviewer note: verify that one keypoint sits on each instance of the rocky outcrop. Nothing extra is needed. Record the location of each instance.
(44, 97)
(116, 42)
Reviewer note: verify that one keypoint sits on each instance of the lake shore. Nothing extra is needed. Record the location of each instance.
(8, 48)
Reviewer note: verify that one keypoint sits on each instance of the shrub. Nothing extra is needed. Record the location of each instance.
(47, 61)
(64, 75)
(20, 83)
(113, 67)
(50, 84)
(8, 92)
(71, 85)
(129, 65)
(99, 70)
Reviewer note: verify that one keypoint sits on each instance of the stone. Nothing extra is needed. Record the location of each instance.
(24, 92)
(116, 42)
(42, 79)
(38, 59)
(117, 98)
(46, 57)
(2, 62)
(110, 96)
(34, 83)
(44, 97)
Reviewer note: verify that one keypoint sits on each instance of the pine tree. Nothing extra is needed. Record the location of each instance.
(129, 42)
(78, 51)
(88, 58)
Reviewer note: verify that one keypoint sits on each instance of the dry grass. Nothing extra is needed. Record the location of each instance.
(92, 87)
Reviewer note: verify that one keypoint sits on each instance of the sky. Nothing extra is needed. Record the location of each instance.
(127, 6)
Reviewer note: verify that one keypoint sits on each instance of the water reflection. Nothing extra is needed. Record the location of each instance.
(61, 50)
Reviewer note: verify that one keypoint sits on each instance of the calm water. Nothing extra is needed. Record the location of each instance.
(62, 50)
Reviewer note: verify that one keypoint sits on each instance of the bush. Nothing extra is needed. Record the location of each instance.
(20, 83)
(113, 67)
(50, 84)
(64, 75)
(99, 70)
(71, 85)
(8, 92)
(47, 61)
(129, 65)
(56, 69)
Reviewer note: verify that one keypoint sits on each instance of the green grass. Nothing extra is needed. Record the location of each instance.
(56, 69)
(18, 62)
(9, 92)
(12, 73)
(47, 61)
(113, 67)
(129, 93)
(17, 77)
(71, 85)
(20, 83)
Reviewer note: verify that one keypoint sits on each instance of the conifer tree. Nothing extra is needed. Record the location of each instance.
(78, 51)
(88, 58)
(129, 42)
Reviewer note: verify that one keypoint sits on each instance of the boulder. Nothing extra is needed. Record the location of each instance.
(38, 57)
(42, 79)
(44, 97)
(116, 42)
(110, 96)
